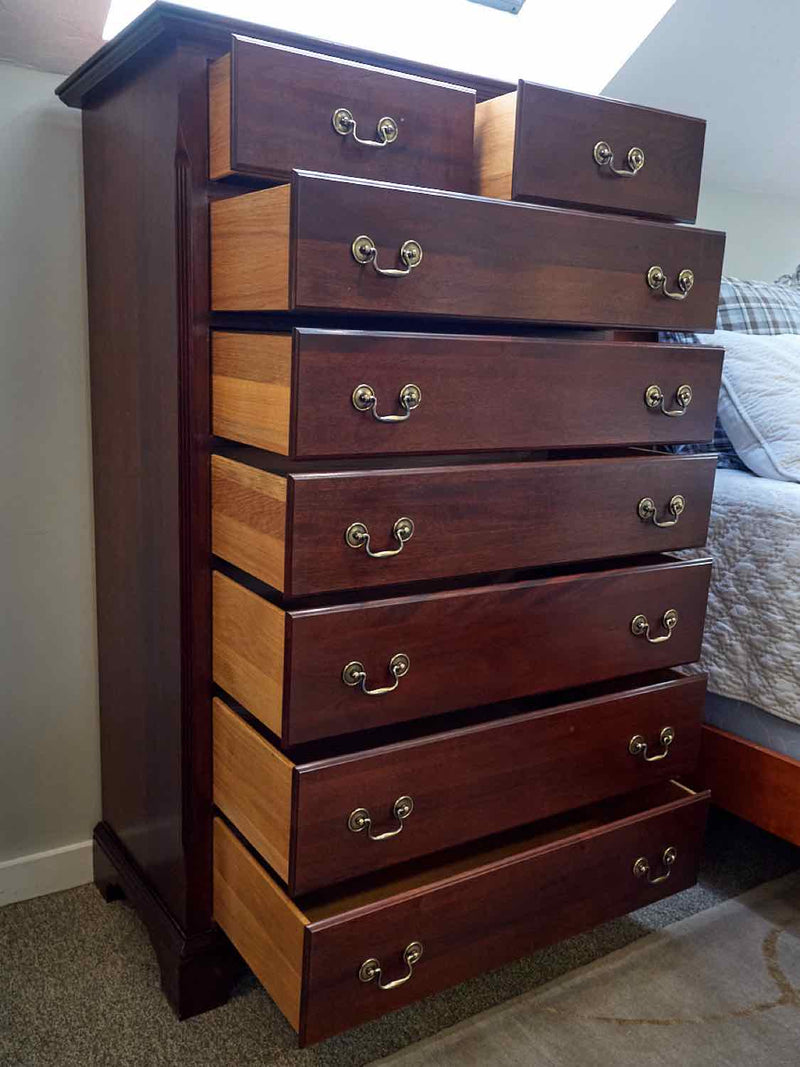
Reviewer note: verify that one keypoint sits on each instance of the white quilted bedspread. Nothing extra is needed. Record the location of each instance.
(751, 648)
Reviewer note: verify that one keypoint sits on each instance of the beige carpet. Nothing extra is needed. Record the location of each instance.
(720, 988)
(79, 982)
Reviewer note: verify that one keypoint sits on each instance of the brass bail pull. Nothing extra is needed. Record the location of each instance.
(365, 251)
(345, 124)
(637, 746)
(640, 627)
(604, 157)
(364, 398)
(360, 819)
(654, 400)
(370, 970)
(354, 673)
(641, 867)
(357, 535)
(657, 281)
(648, 512)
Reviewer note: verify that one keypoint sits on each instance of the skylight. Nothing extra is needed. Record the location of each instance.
(572, 44)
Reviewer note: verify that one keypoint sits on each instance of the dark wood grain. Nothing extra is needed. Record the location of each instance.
(496, 913)
(283, 100)
(556, 133)
(483, 779)
(486, 393)
(485, 644)
(492, 517)
(135, 429)
(753, 782)
(482, 259)
(469, 519)
(150, 412)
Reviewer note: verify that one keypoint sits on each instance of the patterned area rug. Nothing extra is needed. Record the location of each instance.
(719, 988)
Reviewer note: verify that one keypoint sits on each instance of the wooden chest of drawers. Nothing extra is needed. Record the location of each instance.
(386, 630)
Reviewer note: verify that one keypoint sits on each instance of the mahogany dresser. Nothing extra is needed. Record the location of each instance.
(390, 636)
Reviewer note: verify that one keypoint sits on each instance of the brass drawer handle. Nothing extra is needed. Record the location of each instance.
(637, 746)
(371, 969)
(657, 280)
(365, 251)
(640, 627)
(358, 536)
(354, 673)
(654, 398)
(360, 819)
(641, 867)
(364, 399)
(344, 123)
(604, 157)
(648, 512)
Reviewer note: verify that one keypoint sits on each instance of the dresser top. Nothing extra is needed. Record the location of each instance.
(164, 22)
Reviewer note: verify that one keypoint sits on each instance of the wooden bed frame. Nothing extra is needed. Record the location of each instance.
(751, 781)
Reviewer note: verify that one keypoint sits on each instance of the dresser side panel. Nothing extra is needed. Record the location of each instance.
(129, 162)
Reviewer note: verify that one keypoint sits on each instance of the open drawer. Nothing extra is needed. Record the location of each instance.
(318, 821)
(334, 528)
(310, 673)
(338, 959)
(316, 393)
(548, 146)
(273, 108)
(331, 244)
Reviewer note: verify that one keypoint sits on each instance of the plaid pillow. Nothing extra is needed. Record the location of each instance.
(758, 307)
(746, 307)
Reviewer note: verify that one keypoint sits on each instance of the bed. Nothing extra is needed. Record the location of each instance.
(751, 651)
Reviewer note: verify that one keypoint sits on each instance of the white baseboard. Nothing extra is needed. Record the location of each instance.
(45, 872)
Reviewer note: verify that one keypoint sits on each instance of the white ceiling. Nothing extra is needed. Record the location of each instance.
(735, 63)
(54, 35)
(540, 43)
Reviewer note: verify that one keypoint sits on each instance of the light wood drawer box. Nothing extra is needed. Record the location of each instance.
(304, 532)
(470, 911)
(292, 248)
(537, 759)
(271, 109)
(293, 394)
(548, 146)
(465, 646)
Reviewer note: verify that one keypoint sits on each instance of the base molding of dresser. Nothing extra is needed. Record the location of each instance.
(198, 971)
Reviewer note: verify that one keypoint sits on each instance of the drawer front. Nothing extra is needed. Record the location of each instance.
(495, 260)
(556, 134)
(481, 259)
(480, 921)
(272, 108)
(489, 517)
(294, 395)
(477, 646)
(470, 783)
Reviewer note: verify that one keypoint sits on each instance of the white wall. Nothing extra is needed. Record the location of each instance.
(763, 231)
(735, 64)
(49, 751)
